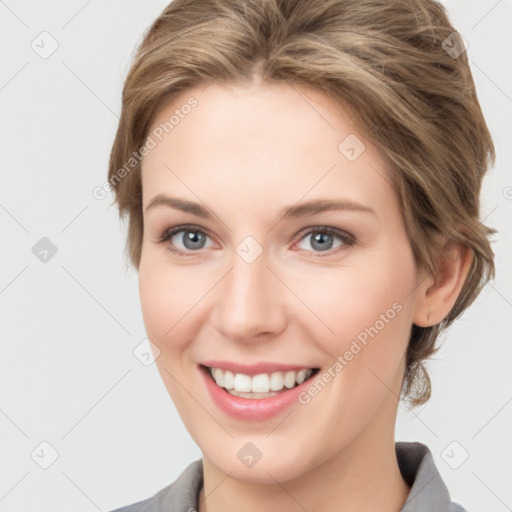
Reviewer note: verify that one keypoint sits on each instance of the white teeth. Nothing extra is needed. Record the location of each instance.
(276, 381)
(262, 383)
(218, 376)
(229, 379)
(242, 382)
(301, 376)
(289, 379)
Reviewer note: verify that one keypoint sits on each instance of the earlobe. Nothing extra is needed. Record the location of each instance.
(437, 294)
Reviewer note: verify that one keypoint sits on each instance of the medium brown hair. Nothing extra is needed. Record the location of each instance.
(386, 61)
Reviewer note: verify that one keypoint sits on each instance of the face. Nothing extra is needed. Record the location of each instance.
(273, 241)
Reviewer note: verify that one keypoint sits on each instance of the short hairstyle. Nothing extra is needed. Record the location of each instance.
(387, 62)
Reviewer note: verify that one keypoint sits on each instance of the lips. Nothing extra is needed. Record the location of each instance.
(254, 406)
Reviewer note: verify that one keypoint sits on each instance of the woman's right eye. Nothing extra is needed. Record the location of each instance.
(191, 239)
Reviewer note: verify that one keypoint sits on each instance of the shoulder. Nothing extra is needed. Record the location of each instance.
(428, 491)
(179, 496)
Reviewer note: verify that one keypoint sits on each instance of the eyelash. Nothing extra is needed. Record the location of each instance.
(347, 239)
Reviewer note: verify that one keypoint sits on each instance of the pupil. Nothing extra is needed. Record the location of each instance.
(320, 239)
(192, 240)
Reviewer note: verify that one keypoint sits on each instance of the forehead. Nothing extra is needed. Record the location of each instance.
(280, 142)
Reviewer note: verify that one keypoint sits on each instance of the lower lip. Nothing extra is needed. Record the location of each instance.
(251, 409)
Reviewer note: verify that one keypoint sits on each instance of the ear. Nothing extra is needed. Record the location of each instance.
(437, 294)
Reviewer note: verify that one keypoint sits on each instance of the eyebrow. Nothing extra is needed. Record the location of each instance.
(303, 209)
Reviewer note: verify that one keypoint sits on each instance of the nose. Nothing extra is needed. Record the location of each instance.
(250, 304)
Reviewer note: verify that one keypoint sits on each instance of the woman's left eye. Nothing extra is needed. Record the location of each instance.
(192, 239)
(322, 239)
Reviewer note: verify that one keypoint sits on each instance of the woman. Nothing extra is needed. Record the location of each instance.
(302, 186)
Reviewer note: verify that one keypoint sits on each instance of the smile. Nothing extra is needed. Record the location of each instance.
(257, 391)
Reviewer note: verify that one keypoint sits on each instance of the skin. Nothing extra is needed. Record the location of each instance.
(245, 153)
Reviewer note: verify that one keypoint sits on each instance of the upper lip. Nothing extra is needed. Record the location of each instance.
(255, 368)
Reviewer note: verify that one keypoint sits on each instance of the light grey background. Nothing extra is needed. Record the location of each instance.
(69, 325)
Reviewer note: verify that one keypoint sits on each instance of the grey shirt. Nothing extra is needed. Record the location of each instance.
(428, 492)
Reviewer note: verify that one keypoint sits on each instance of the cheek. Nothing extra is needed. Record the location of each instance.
(166, 302)
(353, 297)
(372, 323)
(172, 301)
(155, 303)
(366, 307)
(162, 296)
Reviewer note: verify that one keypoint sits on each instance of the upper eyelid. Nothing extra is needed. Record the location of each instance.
(167, 233)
